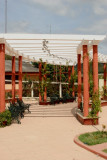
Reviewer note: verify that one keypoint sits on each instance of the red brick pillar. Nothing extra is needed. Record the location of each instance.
(73, 88)
(79, 80)
(95, 67)
(2, 77)
(13, 78)
(40, 79)
(45, 92)
(104, 75)
(20, 77)
(85, 80)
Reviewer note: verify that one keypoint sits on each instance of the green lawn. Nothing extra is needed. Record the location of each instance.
(105, 150)
(94, 137)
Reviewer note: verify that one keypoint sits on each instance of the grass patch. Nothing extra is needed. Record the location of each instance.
(105, 150)
(94, 138)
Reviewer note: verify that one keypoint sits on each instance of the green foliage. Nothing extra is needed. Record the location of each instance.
(105, 150)
(94, 138)
(7, 57)
(96, 105)
(91, 84)
(17, 110)
(5, 118)
(27, 86)
(54, 98)
(35, 64)
(104, 92)
(81, 107)
(8, 95)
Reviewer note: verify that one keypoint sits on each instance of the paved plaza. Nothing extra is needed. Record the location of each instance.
(47, 134)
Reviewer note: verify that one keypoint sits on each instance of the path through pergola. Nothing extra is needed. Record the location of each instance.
(52, 49)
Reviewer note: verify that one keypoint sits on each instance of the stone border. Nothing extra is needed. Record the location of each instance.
(89, 148)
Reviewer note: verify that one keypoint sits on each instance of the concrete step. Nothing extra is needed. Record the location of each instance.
(50, 111)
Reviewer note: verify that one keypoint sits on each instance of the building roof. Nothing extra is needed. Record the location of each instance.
(26, 67)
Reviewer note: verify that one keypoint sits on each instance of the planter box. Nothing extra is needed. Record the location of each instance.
(56, 102)
(44, 103)
(86, 120)
(105, 97)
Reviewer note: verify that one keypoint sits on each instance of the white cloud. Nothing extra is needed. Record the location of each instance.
(18, 27)
(59, 7)
(100, 7)
(64, 7)
(99, 27)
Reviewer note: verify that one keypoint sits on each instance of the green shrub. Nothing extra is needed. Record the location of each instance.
(96, 105)
(5, 118)
(17, 110)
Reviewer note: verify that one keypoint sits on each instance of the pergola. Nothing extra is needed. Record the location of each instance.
(56, 49)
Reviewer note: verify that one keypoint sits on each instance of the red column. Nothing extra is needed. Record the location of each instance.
(2, 77)
(69, 77)
(54, 74)
(79, 80)
(69, 74)
(73, 88)
(20, 77)
(85, 80)
(13, 78)
(45, 92)
(40, 79)
(95, 67)
(104, 75)
(60, 73)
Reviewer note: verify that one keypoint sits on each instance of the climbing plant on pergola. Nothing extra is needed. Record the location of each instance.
(52, 49)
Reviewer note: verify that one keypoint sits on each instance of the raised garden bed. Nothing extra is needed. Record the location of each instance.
(57, 102)
(86, 120)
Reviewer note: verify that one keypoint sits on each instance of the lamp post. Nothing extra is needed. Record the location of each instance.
(5, 16)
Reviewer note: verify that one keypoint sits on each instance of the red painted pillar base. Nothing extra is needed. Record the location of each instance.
(79, 80)
(85, 80)
(13, 78)
(20, 77)
(2, 77)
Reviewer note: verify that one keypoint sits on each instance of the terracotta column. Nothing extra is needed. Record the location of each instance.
(73, 88)
(104, 75)
(2, 77)
(20, 77)
(60, 73)
(45, 92)
(54, 74)
(40, 79)
(79, 80)
(69, 74)
(13, 78)
(69, 77)
(85, 80)
(95, 67)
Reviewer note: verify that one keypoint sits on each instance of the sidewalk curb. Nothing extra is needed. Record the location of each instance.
(78, 142)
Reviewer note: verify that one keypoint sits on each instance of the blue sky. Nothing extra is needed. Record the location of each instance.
(64, 16)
